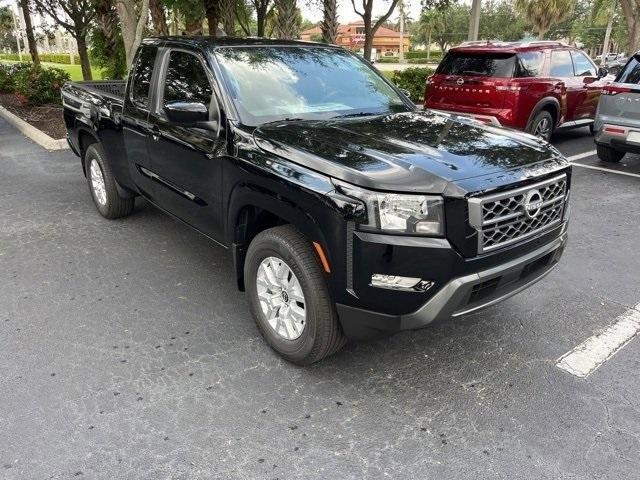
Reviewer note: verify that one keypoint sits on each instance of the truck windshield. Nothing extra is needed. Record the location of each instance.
(276, 83)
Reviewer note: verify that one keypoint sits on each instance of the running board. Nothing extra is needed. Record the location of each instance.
(576, 123)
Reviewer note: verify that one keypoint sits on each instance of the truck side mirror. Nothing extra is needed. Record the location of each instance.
(186, 113)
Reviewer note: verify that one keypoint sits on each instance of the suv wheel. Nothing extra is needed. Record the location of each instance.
(102, 185)
(289, 297)
(541, 125)
(608, 154)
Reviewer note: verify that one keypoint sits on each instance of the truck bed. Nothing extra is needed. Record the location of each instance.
(107, 88)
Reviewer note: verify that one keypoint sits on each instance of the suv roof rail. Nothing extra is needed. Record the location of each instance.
(542, 42)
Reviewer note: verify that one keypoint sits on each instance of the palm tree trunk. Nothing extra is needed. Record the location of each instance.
(158, 18)
(329, 25)
(33, 47)
(212, 11)
(228, 14)
(286, 19)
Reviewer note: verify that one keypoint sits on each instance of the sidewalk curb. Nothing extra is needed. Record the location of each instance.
(32, 132)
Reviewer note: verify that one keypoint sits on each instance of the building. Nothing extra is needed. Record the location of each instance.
(351, 36)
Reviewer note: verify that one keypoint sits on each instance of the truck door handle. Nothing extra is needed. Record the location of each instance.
(155, 132)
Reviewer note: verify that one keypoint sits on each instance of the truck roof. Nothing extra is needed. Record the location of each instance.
(205, 41)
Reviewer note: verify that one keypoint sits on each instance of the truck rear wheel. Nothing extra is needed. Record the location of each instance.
(608, 154)
(289, 297)
(102, 185)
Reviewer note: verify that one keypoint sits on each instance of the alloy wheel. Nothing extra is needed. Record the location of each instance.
(97, 182)
(281, 298)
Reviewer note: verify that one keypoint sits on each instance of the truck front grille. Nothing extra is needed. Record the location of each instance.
(515, 215)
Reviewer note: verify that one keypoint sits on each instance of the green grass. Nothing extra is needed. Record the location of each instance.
(74, 71)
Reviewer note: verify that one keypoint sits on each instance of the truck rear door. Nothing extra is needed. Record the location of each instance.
(135, 119)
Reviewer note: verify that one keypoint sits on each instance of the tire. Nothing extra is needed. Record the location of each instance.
(608, 154)
(106, 199)
(320, 334)
(542, 125)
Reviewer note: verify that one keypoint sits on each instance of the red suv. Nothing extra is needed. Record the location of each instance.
(534, 86)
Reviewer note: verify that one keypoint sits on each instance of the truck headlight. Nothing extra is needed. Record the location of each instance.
(399, 212)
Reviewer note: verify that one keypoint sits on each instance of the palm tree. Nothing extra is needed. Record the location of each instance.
(542, 14)
(329, 24)
(286, 19)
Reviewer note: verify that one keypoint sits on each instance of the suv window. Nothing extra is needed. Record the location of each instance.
(631, 73)
(483, 64)
(186, 79)
(561, 64)
(142, 76)
(530, 64)
(582, 66)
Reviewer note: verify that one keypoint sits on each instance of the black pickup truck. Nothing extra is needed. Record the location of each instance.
(348, 212)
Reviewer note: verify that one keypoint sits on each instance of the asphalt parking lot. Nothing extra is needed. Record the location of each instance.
(126, 352)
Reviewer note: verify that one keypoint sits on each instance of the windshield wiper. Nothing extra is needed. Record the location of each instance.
(288, 119)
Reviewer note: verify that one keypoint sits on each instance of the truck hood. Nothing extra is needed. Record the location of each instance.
(411, 151)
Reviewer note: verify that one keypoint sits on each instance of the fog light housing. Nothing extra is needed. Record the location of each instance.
(395, 282)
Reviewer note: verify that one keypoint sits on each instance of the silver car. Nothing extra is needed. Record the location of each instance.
(617, 124)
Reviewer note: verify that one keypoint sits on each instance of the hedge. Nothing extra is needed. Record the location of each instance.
(62, 58)
(388, 60)
(412, 79)
(423, 54)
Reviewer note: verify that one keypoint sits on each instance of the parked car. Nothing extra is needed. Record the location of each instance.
(348, 212)
(535, 86)
(617, 125)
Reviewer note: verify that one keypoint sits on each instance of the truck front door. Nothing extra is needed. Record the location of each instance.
(186, 162)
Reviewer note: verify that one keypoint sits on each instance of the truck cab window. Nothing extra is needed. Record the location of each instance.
(186, 80)
(142, 77)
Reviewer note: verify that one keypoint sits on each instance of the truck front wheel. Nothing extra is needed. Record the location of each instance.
(102, 185)
(289, 297)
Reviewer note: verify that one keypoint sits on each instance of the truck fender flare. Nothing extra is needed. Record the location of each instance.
(541, 105)
(85, 131)
(252, 197)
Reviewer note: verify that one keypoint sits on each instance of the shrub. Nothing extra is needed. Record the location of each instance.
(62, 58)
(412, 79)
(388, 60)
(8, 73)
(37, 86)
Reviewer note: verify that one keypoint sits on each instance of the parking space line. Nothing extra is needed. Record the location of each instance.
(580, 156)
(602, 169)
(597, 349)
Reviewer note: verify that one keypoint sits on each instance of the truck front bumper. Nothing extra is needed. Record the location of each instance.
(461, 295)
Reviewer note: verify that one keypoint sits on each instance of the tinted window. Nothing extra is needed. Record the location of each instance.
(530, 64)
(487, 65)
(631, 73)
(142, 76)
(273, 83)
(582, 65)
(561, 64)
(186, 80)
